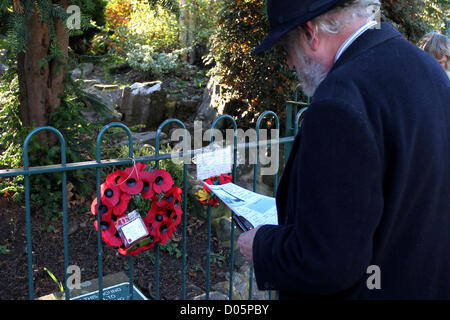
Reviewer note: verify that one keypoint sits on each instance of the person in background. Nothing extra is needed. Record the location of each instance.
(438, 46)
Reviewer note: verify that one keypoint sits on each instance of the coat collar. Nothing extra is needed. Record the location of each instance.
(366, 41)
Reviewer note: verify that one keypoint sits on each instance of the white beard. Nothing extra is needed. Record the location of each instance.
(310, 72)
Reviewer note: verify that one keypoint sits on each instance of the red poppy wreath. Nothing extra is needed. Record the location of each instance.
(122, 187)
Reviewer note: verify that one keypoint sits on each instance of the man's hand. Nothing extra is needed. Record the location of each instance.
(245, 242)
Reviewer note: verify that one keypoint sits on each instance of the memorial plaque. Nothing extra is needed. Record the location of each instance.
(117, 292)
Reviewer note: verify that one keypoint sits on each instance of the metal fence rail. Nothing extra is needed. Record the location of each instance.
(98, 164)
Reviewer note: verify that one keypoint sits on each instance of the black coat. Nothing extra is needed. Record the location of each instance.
(368, 183)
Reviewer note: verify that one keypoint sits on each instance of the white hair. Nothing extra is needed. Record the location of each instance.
(332, 21)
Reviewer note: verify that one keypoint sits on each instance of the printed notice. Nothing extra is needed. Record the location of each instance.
(213, 163)
(251, 209)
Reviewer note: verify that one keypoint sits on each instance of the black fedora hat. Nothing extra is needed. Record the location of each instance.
(284, 15)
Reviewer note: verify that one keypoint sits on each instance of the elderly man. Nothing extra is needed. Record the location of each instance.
(364, 200)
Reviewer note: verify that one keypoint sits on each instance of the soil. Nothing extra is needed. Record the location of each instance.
(48, 252)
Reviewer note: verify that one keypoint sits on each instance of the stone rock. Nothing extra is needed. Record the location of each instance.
(89, 81)
(224, 288)
(142, 138)
(73, 227)
(109, 95)
(246, 181)
(83, 69)
(213, 295)
(144, 103)
(193, 291)
(3, 69)
(186, 107)
(106, 87)
(241, 285)
(222, 229)
(206, 111)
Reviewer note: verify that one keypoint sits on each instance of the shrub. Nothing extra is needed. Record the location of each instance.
(144, 58)
(45, 189)
(153, 25)
(254, 84)
(118, 12)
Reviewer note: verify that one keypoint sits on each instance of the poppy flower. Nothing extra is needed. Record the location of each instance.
(114, 177)
(159, 227)
(213, 201)
(109, 233)
(224, 178)
(172, 198)
(165, 232)
(164, 222)
(122, 205)
(129, 181)
(175, 219)
(109, 193)
(172, 228)
(158, 224)
(173, 216)
(105, 209)
(147, 179)
(141, 166)
(211, 181)
(163, 181)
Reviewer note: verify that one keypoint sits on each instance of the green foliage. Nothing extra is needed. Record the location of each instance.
(45, 188)
(144, 58)
(92, 9)
(11, 136)
(254, 84)
(171, 247)
(217, 259)
(154, 26)
(15, 18)
(171, 5)
(4, 250)
(138, 22)
(414, 18)
(55, 280)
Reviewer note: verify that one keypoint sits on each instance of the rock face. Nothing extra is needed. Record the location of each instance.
(144, 103)
(3, 69)
(83, 69)
(241, 285)
(206, 111)
(108, 96)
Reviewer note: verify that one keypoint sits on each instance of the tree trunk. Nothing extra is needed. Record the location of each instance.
(192, 27)
(41, 87)
(183, 26)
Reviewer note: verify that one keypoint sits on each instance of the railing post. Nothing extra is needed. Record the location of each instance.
(255, 173)
(208, 253)
(184, 205)
(28, 214)
(291, 109)
(99, 231)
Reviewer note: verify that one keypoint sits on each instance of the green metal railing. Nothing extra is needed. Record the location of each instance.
(294, 108)
(98, 164)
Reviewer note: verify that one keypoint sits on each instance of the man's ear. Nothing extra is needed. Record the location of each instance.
(311, 35)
